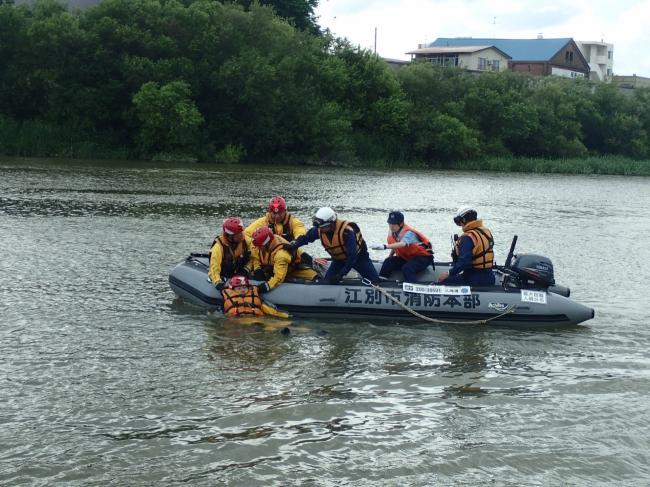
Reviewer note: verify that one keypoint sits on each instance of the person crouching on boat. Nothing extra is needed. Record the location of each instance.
(410, 249)
(473, 253)
(240, 298)
(281, 223)
(345, 244)
(271, 262)
(230, 253)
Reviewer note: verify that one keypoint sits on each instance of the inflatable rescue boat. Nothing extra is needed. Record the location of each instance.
(524, 295)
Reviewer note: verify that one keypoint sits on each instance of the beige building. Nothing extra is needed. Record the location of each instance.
(473, 58)
(600, 56)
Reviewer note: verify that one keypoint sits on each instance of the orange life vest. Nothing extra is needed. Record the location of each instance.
(267, 255)
(422, 249)
(482, 252)
(237, 304)
(233, 260)
(286, 226)
(336, 245)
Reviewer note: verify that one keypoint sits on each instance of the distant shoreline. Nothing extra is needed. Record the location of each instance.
(600, 165)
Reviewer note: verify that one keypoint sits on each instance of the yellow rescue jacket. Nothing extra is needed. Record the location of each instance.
(290, 228)
(482, 252)
(413, 250)
(335, 245)
(266, 256)
(226, 261)
(276, 260)
(248, 303)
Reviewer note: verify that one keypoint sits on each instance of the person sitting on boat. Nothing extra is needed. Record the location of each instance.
(271, 262)
(282, 223)
(410, 249)
(473, 253)
(345, 244)
(230, 253)
(241, 298)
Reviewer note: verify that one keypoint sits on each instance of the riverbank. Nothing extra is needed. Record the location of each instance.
(613, 166)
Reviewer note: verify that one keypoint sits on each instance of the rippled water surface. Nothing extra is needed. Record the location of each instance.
(106, 379)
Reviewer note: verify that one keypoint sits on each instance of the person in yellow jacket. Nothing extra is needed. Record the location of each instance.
(271, 262)
(281, 223)
(241, 299)
(230, 253)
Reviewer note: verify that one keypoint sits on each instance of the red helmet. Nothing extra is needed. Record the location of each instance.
(232, 226)
(262, 236)
(277, 205)
(238, 281)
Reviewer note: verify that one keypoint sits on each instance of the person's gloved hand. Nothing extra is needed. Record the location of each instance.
(291, 246)
(220, 285)
(259, 275)
(263, 287)
(333, 279)
(378, 246)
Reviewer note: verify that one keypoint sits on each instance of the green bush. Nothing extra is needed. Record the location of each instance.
(231, 154)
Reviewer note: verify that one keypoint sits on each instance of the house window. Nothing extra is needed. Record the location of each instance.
(609, 71)
(609, 54)
(482, 63)
(495, 65)
(444, 59)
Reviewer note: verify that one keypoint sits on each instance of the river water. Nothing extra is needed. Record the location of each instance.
(105, 378)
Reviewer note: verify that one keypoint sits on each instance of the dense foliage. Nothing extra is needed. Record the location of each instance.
(228, 82)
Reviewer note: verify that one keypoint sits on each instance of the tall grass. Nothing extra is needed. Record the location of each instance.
(615, 165)
(35, 138)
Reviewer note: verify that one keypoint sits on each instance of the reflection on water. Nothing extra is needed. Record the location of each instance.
(106, 379)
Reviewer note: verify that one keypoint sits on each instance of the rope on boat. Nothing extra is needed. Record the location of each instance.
(511, 309)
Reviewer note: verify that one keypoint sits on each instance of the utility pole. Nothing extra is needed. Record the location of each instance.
(375, 41)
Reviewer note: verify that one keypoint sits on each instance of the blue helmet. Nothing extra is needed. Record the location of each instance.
(396, 217)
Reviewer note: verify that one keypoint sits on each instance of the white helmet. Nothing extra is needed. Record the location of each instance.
(463, 212)
(323, 217)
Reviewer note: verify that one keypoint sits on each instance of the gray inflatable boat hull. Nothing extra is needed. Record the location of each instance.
(533, 308)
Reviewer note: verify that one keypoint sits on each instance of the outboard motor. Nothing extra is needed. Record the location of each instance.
(533, 270)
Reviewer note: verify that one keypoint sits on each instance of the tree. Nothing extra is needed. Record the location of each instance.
(169, 119)
(301, 13)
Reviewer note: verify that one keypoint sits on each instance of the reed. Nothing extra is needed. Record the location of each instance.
(613, 165)
(35, 138)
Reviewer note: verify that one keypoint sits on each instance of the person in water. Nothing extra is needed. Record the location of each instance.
(230, 253)
(271, 262)
(473, 253)
(410, 249)
(343, 241)
(242, 299)
(282, 223)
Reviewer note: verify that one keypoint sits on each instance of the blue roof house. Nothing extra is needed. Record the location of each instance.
(559, 57)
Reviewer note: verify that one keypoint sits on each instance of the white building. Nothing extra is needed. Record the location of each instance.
(472, 58)
(600, 56)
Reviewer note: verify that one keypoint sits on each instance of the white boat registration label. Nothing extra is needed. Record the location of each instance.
(528, 296)
(437, 289)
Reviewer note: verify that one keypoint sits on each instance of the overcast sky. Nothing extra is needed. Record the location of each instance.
(403, 24)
